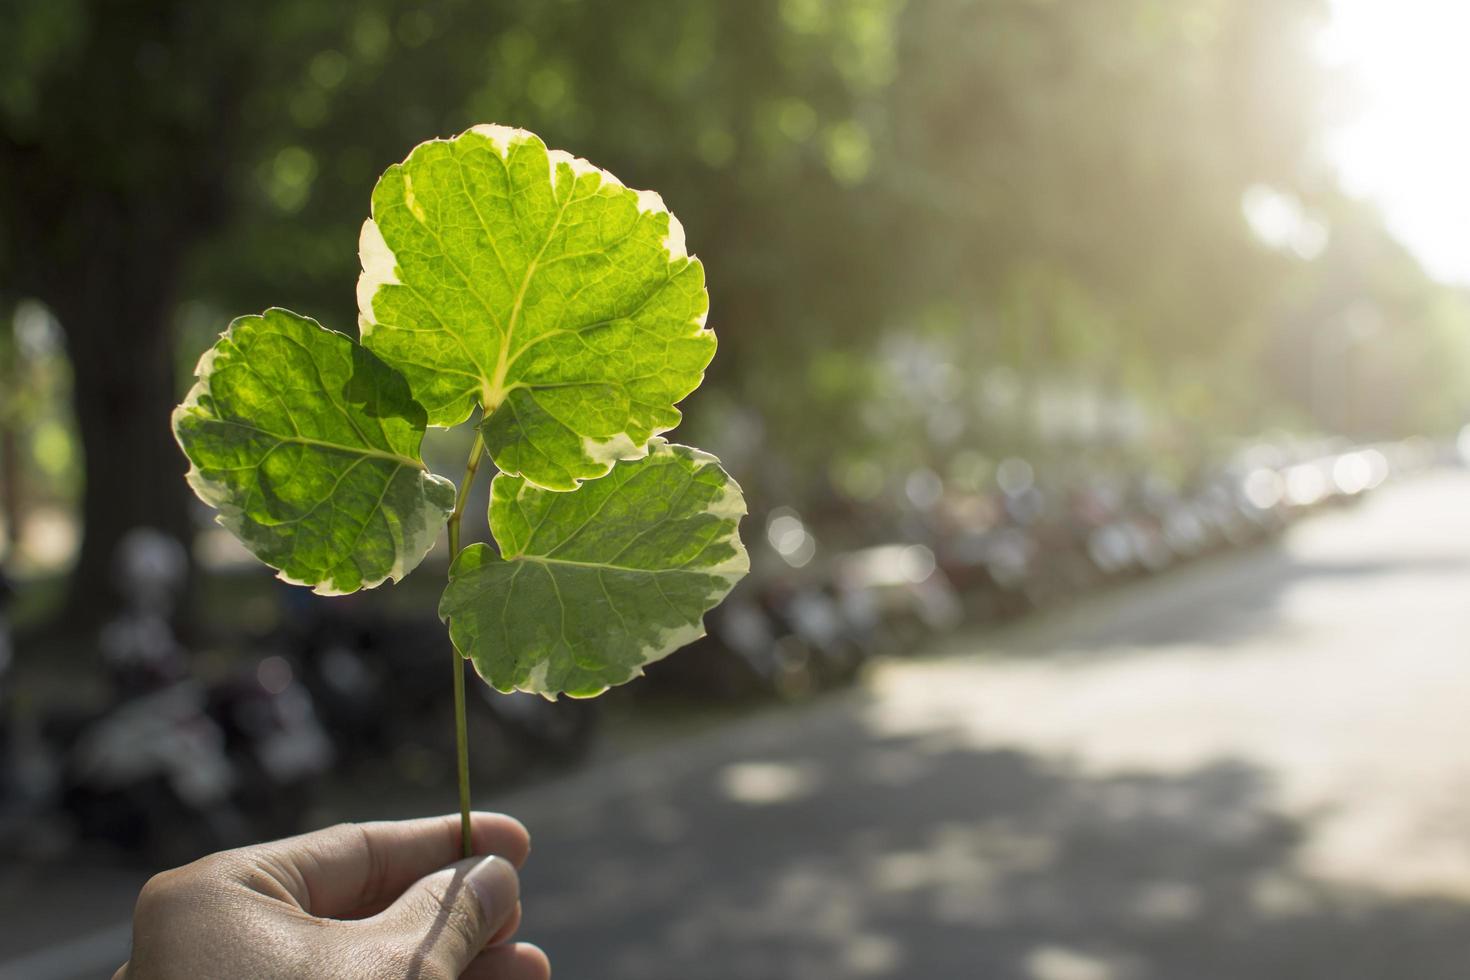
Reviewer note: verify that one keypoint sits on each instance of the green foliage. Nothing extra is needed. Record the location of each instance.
(309, 447)
(535, 287)
(1059, 182)
(623, 569)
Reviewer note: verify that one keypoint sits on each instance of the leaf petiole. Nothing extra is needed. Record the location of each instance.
(471, 467)
(461, 734)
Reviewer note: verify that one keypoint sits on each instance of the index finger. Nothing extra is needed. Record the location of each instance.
(355, 869)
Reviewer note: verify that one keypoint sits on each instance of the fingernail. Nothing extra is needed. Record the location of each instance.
(496, 886)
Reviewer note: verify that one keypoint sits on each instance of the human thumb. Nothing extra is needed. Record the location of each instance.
(445, 919)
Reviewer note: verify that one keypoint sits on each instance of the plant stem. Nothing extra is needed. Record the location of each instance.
(461, 734)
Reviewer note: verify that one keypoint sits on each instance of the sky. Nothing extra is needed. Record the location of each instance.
(1406, 145)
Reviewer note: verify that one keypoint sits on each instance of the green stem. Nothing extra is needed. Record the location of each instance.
(461, 734)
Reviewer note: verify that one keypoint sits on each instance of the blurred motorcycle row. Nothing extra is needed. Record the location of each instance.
(173, 760)
(809, 617)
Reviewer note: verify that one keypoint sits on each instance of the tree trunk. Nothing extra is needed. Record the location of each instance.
(10, 473)
(10, 492)
(120, 340)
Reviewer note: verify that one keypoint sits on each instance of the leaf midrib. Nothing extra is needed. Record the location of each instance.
(496, 392)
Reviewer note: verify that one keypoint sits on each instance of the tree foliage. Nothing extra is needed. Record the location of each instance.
(1049, 190)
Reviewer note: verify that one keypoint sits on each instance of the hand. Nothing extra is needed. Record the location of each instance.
(369, 901)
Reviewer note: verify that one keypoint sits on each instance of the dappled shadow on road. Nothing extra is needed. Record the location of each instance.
(830, 851)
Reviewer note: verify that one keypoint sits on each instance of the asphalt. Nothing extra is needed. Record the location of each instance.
(1254, 768)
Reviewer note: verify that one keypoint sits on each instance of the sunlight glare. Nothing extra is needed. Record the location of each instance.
(1407, 147)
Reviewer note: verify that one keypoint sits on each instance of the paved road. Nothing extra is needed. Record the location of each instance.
(1257, 768)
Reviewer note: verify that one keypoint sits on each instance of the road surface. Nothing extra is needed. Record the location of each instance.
(1255, 768)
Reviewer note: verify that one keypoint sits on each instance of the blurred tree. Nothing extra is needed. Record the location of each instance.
(10, 468)
(1039, 191)
(118, 122)
(1098, 152)
(154, 152)
(1370, 345)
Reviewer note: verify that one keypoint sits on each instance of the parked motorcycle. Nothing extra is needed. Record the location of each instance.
(173, 765)
(381, 684)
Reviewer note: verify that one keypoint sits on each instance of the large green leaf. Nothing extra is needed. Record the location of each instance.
(531, 283)
(309, 446)
(591, 586)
